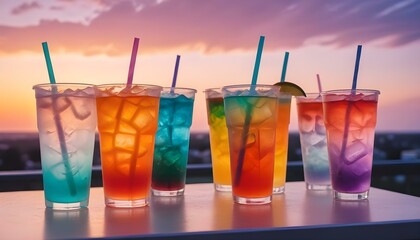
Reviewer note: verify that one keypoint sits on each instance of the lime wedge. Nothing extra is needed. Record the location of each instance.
(291, 88)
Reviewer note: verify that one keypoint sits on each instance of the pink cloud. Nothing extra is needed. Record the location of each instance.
(25, 7)
(220, 25)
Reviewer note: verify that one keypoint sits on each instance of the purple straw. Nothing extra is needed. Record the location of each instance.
(175, 71)
(133, 61)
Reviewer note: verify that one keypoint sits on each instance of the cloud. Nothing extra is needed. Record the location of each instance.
(25, 7)
(220, 25)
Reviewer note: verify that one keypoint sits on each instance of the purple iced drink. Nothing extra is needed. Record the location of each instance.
(350, 120)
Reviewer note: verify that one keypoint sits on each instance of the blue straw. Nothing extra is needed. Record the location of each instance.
(349, 105)
(356, 67)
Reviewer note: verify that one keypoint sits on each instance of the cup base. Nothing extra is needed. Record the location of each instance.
(126, 203)
(252, 201)
(279, 190)
(317, 187)
(66, 206)
(223, 188)
(162, 193)
(351, 196)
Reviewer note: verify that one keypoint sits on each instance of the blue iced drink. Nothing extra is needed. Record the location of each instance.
(172, 141)
(66, 118)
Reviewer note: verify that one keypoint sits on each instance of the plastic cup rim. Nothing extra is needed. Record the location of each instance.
(349, 91)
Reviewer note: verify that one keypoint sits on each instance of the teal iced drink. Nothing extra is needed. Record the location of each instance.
(66, 118)
(172, 141)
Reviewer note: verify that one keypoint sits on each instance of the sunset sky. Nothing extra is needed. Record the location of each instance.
(90, 41)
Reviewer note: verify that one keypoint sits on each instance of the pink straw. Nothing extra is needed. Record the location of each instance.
(319, 83)
(133, 61)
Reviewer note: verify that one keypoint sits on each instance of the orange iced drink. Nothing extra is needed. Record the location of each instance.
(251, 118)
(287, 90)
(282, 142)
(219, 143)
(127, 124)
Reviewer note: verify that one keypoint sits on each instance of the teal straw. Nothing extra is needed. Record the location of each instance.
(49, 64)
(248, 114)
(258, 60)
(283, 71)
(57, 120)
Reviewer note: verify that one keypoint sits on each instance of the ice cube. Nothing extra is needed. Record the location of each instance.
(313, 139)
(334, 152)
(322, 143)
(68, 91)
(361, 167)
(128, 110)
(65, 166)
(44, 102)
(149, 102)
(184, 100)
(250, 139)
(82, 111)
(122, 161)
(126, 127)
(307, 123)
(145, 143)
(58, 170)
(107, 124)
(183, 107)
(145, 120)
(162, 137)
(213, 94)
(335, 97)
(110, 107)
(125, 141)
(81, 93)
(40, 92)
(356, 151)
(266, 142)
(171, 156)
(125, 92)
(260, 102)
(60, 104)
(356, 97)
(143, 150)
(260, 115)
(180, 120)
(138, 90)
(180, 136)
(236, 117)
(106, 142)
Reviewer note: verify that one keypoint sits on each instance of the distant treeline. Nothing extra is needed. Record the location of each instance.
(19, 151)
